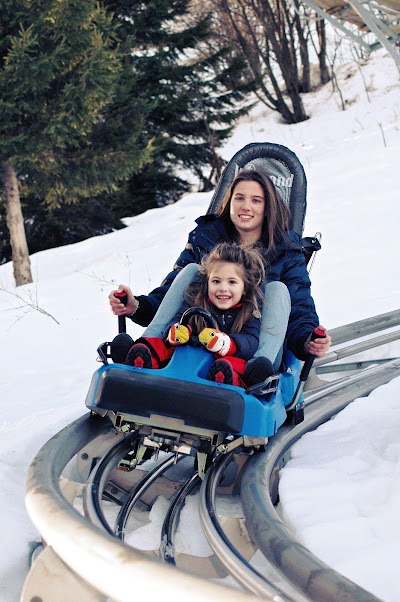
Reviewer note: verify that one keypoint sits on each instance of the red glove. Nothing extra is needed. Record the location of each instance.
(179, 334)
(217, 342)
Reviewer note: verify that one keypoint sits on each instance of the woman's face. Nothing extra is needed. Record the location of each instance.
(225, 284)
(247, 210)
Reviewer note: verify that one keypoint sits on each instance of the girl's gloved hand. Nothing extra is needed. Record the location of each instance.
(179, 334)
(216, 341)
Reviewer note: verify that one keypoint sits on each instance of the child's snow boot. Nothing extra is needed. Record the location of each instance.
(257, 371)
(221, 371)
(139, 356)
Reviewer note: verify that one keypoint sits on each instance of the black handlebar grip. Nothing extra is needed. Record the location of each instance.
(317, 333)
(123, 297)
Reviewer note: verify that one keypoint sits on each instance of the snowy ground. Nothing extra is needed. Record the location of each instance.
(50, 330)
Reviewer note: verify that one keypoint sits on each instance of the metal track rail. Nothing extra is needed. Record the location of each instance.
(167, 548)
(137, 492)
(236, 565)
(304, 571)
(95, 555)
(311, 578)
(98, 479)
(99, 559)
(115, 570)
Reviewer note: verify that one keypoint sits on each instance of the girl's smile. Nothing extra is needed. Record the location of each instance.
(225, 285)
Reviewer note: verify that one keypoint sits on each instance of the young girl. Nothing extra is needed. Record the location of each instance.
(229, 287)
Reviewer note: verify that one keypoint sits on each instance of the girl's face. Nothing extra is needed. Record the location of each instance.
(225, 284)
(247, 210)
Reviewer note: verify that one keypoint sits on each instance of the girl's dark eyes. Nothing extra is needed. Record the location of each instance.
(215, 281)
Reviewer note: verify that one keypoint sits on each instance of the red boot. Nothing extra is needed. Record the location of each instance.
(222, 371)
(139, 356)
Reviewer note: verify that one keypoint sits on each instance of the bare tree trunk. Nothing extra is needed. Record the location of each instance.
(323, 67)
(303, 48)
(264, 33)
(15, 224)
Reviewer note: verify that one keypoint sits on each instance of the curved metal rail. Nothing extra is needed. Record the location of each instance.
(98, 479)
(114, 569)
(137, 492)
(167, 548)
(95, 555)
(307, 573)
(233, 561)
(109, 566)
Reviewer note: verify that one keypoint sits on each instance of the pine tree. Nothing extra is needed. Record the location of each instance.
(61, 67)
(193, 95)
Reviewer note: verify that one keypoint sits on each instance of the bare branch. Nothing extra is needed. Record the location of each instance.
(28, 302)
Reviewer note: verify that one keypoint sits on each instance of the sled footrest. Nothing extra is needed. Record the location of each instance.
(266, 388)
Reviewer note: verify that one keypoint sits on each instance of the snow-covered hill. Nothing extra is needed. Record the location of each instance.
(50, 330)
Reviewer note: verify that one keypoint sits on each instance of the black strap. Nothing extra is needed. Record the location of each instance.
(310, 245)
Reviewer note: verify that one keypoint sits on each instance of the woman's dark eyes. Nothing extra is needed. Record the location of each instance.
(256, 200)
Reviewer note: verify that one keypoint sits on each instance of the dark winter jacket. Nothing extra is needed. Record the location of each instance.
(246, 340)
(287, 265)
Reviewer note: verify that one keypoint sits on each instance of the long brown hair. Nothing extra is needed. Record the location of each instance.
(277, 214)
(252, 271)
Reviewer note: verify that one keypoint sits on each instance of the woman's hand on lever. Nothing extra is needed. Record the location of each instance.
(117, 307)
(318, 344)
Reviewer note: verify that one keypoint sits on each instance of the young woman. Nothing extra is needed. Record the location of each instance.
(228, 286)
(252, 212)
